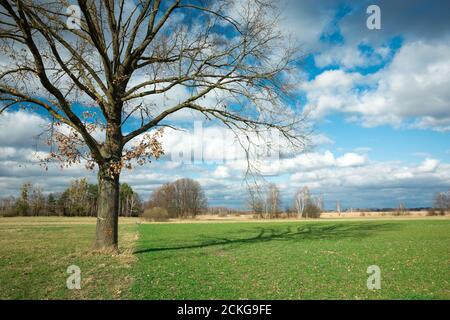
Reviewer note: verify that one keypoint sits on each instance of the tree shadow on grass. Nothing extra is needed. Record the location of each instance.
(310, 231)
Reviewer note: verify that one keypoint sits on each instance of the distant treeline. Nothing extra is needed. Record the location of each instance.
(265, 203)
(385, 209)
(183, 198)
(79, 199)
(224, 211)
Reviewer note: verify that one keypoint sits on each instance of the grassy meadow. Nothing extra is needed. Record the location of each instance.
(321, 259)
(35, 254)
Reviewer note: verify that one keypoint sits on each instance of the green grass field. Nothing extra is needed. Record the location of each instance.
(35, 254)
(247, 260)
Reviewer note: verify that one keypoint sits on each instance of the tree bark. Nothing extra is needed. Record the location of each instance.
(107, 211)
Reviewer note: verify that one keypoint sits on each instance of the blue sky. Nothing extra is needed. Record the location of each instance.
(378, 99)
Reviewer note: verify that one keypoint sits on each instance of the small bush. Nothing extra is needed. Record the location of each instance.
(156, 214)
(436, 212)
(9, 213)
(400, 212)
(312, 211)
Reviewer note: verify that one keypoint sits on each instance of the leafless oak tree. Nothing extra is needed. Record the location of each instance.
(118, 58)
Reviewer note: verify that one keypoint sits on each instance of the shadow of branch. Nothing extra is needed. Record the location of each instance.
(308, 231)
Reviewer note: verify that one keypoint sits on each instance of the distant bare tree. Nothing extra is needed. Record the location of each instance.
(37, 201)
(134, 204)
(255, 201)
(164, 197)
(23, 203)
(273, 201)
(306, 205)
(301, 198)
(7, 205)
(319, 202)
(401, 209)
(129, 201)
(190, 198)
(338, 207)
(442, 202)
(182, 198)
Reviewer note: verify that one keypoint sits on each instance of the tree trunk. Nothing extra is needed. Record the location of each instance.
(107, 210)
